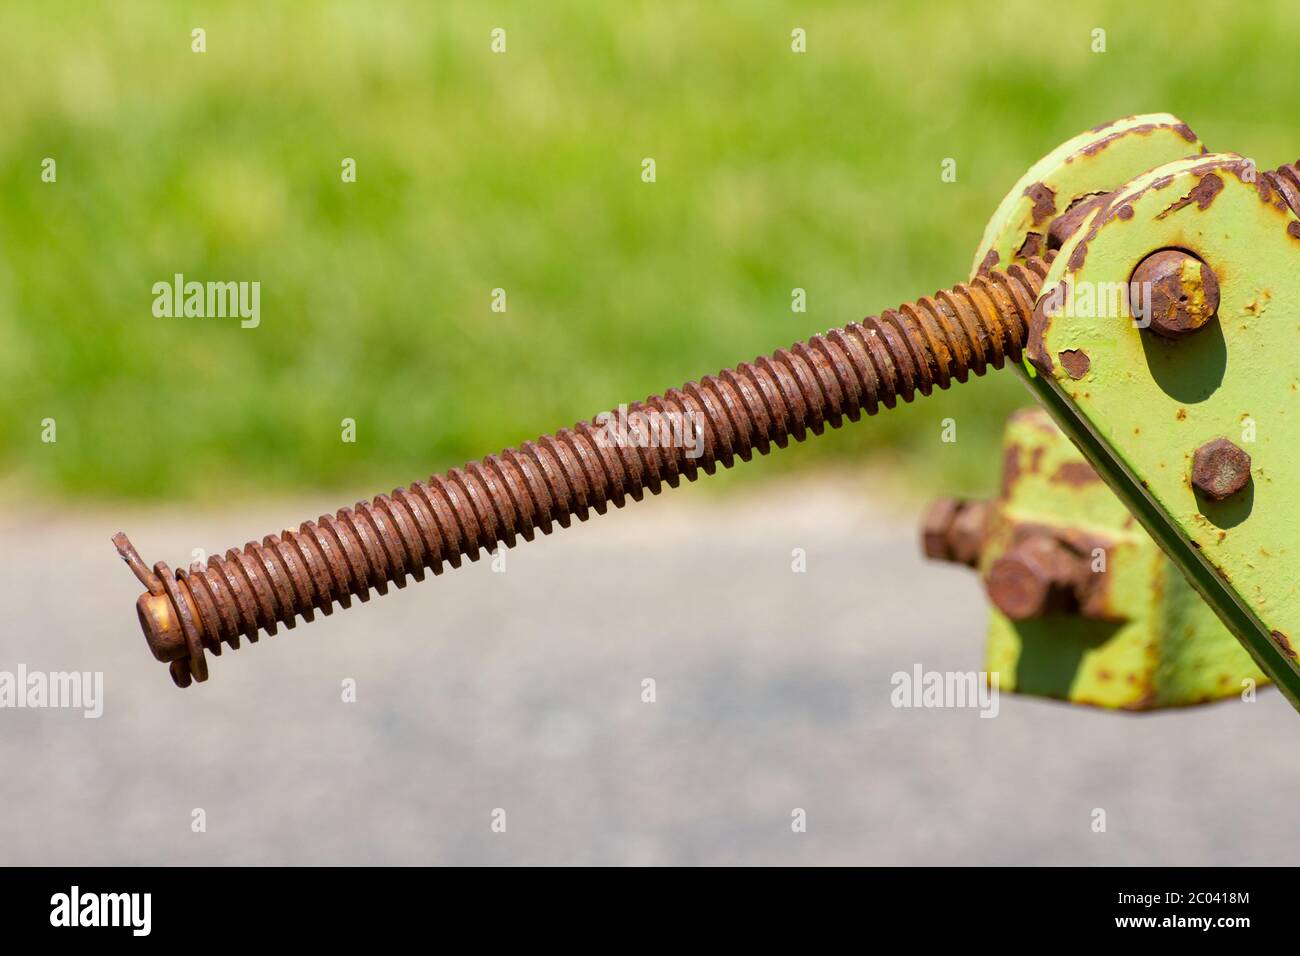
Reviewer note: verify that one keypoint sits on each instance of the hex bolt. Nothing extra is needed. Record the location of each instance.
(1184, 292)
(468, 510)
(1038, 575)
(1220, 469)
(954, 529)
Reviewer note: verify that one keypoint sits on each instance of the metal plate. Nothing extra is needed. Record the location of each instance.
(1151, 641)
(1144, 404)
(1091, 164)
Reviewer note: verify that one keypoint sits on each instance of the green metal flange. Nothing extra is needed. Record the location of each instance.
(1140, 405)
(1079, 170)
(1135, 636)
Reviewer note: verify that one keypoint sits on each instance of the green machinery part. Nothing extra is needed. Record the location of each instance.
(1138, 405)
(1125, 630)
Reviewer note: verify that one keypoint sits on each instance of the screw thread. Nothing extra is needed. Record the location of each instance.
(466, 511)
(1286, 180)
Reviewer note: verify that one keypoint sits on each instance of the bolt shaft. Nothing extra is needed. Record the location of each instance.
(468, 510)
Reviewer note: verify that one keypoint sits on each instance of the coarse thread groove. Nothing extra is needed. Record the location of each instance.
(470, 510)
(1286, 180)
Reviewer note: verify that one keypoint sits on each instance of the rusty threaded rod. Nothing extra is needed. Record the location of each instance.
(469, 510)
(1286, 180)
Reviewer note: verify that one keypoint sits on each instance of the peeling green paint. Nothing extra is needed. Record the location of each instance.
(1159, 645)
(1146, 403)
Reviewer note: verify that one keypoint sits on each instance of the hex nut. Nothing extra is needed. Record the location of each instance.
(953, 529)
(1220, 469)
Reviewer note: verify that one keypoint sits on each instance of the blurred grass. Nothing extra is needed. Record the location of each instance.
(522, 171)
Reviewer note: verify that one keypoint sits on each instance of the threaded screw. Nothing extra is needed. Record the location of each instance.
(468, 510)
(1286, 180)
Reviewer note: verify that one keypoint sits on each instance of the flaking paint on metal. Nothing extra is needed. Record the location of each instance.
(1249, 364)
(1136, 660)
(1092, 162)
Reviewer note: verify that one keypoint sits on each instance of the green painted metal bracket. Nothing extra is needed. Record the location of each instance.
(1141, 639)
(1086, 167)
(1138, 405)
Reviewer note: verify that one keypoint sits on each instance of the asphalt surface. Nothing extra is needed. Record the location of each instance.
(522, 691)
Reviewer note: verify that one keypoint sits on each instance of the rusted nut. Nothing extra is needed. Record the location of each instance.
(1184, 292)
(1037, 576)
(953, 529)
(968, 532)
(935, 523)
(1220, 469)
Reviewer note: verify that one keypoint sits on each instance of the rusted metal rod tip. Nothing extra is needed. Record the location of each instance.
(161, 627)
(156, 610)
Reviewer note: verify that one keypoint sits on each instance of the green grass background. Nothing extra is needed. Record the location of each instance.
(522, 171)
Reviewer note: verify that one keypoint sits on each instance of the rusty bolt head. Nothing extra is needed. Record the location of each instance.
(1220, 469)
(968, 531)
(1036, 576)
(953, 530)
(934, 528)
(1184, 292)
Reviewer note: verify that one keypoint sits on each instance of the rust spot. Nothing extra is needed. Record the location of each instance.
(1036, 459)
(1034, 417)
(1293, 230)
(1147, 701)
(1036, 348)
(1044, 200)
(1182, 415)
(1010, 469)
(1078, 256)
(1075, 473)
(1103, 675)
(1284, 642)
(1202, 194)
(1032, 245)
(1185, 131)
(1125, 212)
(1075, 362)
(1094, 148)
(1263, 187)
(1067, 223)
(989, 262)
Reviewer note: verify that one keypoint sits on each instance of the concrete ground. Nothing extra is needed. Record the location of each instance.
(522, 691)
